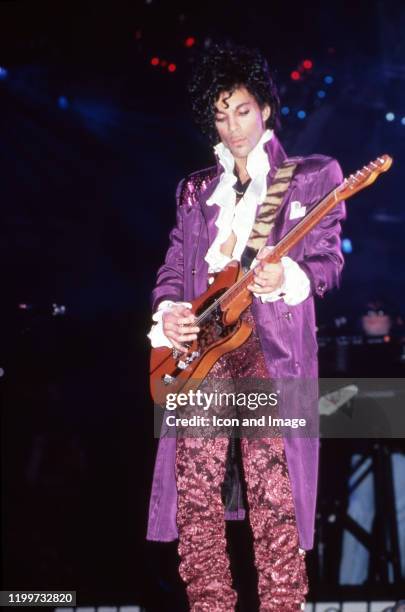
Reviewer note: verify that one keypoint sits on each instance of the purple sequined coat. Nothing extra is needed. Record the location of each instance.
(287, 333)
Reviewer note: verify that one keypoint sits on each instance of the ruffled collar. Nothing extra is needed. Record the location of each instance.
(257, 167)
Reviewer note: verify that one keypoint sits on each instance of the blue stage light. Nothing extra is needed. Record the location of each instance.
(403, 120)
(390, 116)
(328, 79)
(347, 246)
(63, 102)
(3, 72)
(301, 114)
(321, 93)
(285, 110)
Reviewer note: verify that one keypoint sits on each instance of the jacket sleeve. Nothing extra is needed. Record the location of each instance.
(323, 259)
(169, 282)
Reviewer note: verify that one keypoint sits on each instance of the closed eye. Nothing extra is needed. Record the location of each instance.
(241, 113)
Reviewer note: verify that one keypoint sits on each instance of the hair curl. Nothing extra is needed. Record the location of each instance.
(225, 68)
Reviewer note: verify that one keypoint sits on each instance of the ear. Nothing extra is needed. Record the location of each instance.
(266, 112)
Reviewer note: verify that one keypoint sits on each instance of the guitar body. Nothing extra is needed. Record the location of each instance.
(221, 331)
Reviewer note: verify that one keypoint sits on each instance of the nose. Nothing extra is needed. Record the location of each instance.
(233, 124)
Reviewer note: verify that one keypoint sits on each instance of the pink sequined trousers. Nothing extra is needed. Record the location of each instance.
(200, 472)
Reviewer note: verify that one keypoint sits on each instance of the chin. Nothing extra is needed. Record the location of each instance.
(240, 151)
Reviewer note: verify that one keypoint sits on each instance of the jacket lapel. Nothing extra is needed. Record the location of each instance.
(210, 213)
(276, 155)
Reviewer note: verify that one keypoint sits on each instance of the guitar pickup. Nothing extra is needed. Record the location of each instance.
(183, 363)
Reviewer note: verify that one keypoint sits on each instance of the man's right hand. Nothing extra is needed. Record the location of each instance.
(177, 326)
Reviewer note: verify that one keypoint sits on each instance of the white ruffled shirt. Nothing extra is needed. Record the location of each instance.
(240, 219)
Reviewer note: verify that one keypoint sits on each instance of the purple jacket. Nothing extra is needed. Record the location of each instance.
(287, 333)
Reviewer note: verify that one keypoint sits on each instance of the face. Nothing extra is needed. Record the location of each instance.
(240, 121)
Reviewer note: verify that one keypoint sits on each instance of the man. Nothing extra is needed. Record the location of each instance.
(235, 102)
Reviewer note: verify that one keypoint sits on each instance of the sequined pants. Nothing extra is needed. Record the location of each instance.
(200, 471)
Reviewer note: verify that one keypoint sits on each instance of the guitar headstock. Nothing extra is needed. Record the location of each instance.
(364, 177)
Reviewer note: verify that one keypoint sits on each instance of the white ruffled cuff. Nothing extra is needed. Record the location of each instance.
(218, 262)
(156, 335)
(295, 288)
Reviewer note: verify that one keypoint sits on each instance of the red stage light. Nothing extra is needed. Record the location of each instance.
(307, 64)
(190, 41)
(295, 75)
(171, 67)
(154, 61)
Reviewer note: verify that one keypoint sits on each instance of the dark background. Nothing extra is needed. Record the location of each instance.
(93, 140)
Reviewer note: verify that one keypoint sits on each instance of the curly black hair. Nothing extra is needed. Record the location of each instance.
(225, 67)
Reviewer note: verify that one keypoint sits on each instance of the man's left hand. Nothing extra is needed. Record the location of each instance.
(267, 276)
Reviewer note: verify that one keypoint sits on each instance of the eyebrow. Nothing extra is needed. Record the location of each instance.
(236, 108)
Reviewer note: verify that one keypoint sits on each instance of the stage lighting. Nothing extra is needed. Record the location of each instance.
(171, 67)
(295, 75)
(301, 114)
(307, 64)
(328, 79)
(190, 41)
(403, 120)
(154, 61)
(285, 110)
(347, 246)
(321, 93)
(3, 72)
(390, 116)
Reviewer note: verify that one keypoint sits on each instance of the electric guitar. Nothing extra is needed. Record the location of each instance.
(218, 309)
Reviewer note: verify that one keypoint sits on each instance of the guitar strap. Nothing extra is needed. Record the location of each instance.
(231, 490)
(267, 212)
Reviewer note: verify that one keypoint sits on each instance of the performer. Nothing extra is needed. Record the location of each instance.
(235, 102)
